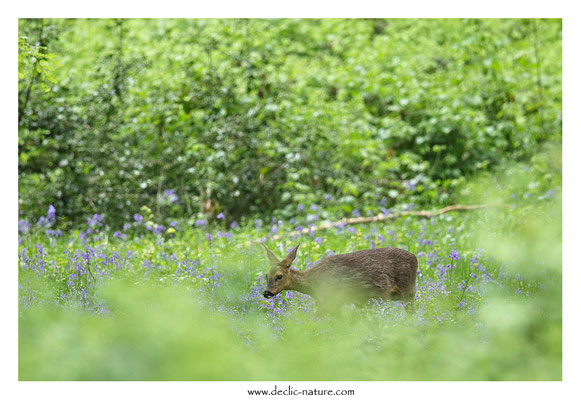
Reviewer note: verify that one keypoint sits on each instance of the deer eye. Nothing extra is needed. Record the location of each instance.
(278, 277)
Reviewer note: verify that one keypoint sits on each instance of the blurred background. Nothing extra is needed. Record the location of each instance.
(197, 118)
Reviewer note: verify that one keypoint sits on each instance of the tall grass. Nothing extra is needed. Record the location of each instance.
(188, 305)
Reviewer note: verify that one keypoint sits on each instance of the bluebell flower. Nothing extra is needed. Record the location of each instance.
(300, 207)
(454, 254)
(170, 195)
(53, 232)
(234, 225)
(51, 213)
(137, 218)
(40, 249)
(356, 213)
(43, 222)
(220, 216)
(381, 239)
(200, 222)
(23, 226)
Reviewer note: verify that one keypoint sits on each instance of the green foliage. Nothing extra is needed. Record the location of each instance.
(259, 115)
(147, 318)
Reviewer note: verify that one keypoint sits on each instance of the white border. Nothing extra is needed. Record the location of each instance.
(301, 8)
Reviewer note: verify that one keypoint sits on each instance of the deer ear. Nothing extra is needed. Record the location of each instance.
(288, 260)
(273, 259)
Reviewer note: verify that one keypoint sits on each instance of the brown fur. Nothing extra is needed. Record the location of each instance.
(387, 273)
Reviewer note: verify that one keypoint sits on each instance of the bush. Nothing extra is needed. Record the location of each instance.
(255, 116)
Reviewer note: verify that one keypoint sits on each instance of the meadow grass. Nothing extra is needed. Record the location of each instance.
(187, 305)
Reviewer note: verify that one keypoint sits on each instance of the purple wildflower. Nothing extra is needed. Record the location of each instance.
(454, 254)
(234, 225)
(95, 220)
(54, 232)
(170, 195)
(381, 239)
(43, 222)
(220, 216)
(200, 222)
(40, 249)
(23, 226)
(51, 213)
(137, 218)
(356, 213)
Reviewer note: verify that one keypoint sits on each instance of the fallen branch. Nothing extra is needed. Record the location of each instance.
(381, 218)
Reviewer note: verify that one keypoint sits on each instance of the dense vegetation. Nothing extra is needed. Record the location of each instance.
(250, 117)
(146, 304)
(154, 156)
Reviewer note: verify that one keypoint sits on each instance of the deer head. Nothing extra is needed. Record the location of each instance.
(279, 278)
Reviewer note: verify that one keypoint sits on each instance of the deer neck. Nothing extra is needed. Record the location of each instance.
(301, 282)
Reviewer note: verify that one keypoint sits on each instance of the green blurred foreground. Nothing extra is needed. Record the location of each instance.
(161, 326)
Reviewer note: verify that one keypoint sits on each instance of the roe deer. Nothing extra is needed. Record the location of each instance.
(387, 273)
